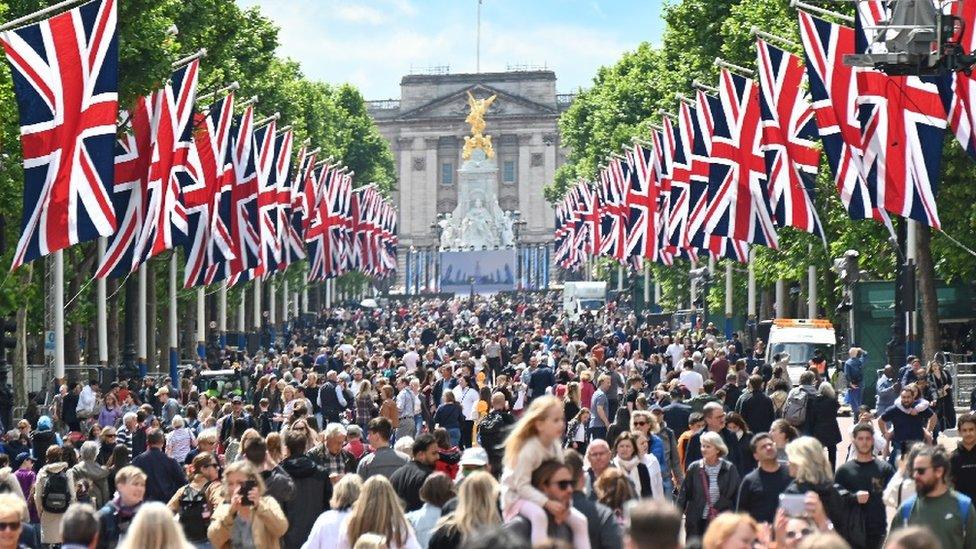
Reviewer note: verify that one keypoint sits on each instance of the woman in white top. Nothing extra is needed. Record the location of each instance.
(642, 469)
(180, 440)
(326, 528)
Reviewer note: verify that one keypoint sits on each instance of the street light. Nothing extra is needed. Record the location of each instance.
(518, 224)
(703, 277)
(437, 228)
(848, 270)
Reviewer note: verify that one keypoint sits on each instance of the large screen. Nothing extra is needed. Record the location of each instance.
(491, 271)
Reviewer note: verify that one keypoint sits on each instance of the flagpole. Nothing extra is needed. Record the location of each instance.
(815, 9)
(780, 298)
(305, 288)
(242, 331)
(257, 308)
(222, 315)
(233, 86)
(180, 63)
(647, 285)
(202, 322)
(174, 342)
(722, 64)
(285, 311)
(728, 300)
(272, 314)
(773, 38)
(704, 87)
(58, 313)
(102, 317)
(38, 14)
(141, 349)
(811, 285)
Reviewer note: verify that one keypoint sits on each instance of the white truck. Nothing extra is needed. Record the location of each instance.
(580, 296)
(800, 338)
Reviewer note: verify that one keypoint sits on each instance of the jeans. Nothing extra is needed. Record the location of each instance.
(854, 399)
(418, 421)
(454, 434)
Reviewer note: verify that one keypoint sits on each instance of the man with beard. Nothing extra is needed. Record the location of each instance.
(947, 513)
(865, 478)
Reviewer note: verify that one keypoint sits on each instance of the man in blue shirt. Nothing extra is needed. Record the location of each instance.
(907, 424)
(853, 372)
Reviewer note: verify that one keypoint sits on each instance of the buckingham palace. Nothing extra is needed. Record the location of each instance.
(426, 130)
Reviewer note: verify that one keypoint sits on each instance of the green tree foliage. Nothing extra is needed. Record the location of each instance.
(625, 98)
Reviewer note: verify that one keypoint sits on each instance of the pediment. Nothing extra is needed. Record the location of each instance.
(455, 105)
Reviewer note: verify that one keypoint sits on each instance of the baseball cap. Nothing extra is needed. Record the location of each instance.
(476, 456)
(236, 400)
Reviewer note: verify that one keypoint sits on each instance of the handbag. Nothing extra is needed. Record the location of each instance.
(712, 511)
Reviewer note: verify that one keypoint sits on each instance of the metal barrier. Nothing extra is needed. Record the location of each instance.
(964, 377)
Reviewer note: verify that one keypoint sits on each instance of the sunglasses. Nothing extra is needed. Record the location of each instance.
(640, 423)
(920, 470)
(797, 534)
(563, 484)
(9, 526)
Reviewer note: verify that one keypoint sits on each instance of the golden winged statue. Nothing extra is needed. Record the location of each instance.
(476, 117)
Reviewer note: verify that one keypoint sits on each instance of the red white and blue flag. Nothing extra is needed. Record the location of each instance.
(65, 76)
(244, 208)
(614, 212)
(642, 202)
(833, 89)
(738, 201)
(166, 219)
(962, 104)
(789, 132)
(270, 251)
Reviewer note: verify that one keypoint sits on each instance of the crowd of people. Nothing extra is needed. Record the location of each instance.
(494, 422)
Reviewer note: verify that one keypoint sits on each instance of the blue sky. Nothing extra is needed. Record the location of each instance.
(373, 43)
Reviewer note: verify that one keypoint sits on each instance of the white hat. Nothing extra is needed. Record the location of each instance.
(474, 456)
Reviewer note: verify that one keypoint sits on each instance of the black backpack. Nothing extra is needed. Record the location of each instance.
(491, 429)
(56, 497)
(195, 512)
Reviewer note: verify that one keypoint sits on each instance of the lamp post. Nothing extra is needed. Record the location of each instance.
(437, 229)
(517, 225)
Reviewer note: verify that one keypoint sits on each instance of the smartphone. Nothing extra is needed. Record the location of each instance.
(793, 505)
(244, 490)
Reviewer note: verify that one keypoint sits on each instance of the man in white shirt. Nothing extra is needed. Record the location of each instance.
(410, 359)
(691, 379)
(467, 397)
(676, 351)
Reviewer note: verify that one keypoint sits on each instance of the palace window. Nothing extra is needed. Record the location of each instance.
(508, 171)
(447, 173)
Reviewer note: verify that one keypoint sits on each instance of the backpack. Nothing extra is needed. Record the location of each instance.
(56, 497)
(905, 511)
(491, 430)
(195, 512)
(795, 407)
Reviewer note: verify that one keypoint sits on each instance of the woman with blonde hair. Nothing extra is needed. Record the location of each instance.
(378, 511)
(326, 528)
(251, 510)
(731, 531)
(154, 528)
(477, 509)
(811, 472)
(534, 439)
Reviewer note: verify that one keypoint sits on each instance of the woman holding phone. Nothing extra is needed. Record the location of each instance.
(248, 519)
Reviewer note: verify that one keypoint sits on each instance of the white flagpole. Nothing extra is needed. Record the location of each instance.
(780, 298)
(811, 286)
(272, 304)
(242, 339)
(102, 306)
(305, 289)
(58, 314)
(222, 315)
(285, 311)
(202, 322)
(728, 299)
(257, 308)
(174, 341)
(141, 347)
(751, 305)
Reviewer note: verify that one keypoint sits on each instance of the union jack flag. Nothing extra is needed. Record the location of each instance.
(65, 75)
(642, 202)
(132, 159)
(589, 215)
(327, 233)
(244, 212)
(738, 201)
(676, 178)
(962, 104)
(292, 243)
(834, 92)
(267, 199)
(210, 243)
(613, 210)
(903, 128)
(662, 169)
(168, 173)
(788, 134)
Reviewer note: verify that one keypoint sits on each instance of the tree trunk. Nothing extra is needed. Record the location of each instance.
(925, 277)
(152, 358)
(19, 360)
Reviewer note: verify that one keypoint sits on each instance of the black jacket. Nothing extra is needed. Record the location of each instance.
(313, 489)
(691, 498)
(540, 380)
(693, 452)
(676, 416)
(163, 475)
(832, 501)
(758, 411)
(602, 524)
(821, 420)
(407, 481)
